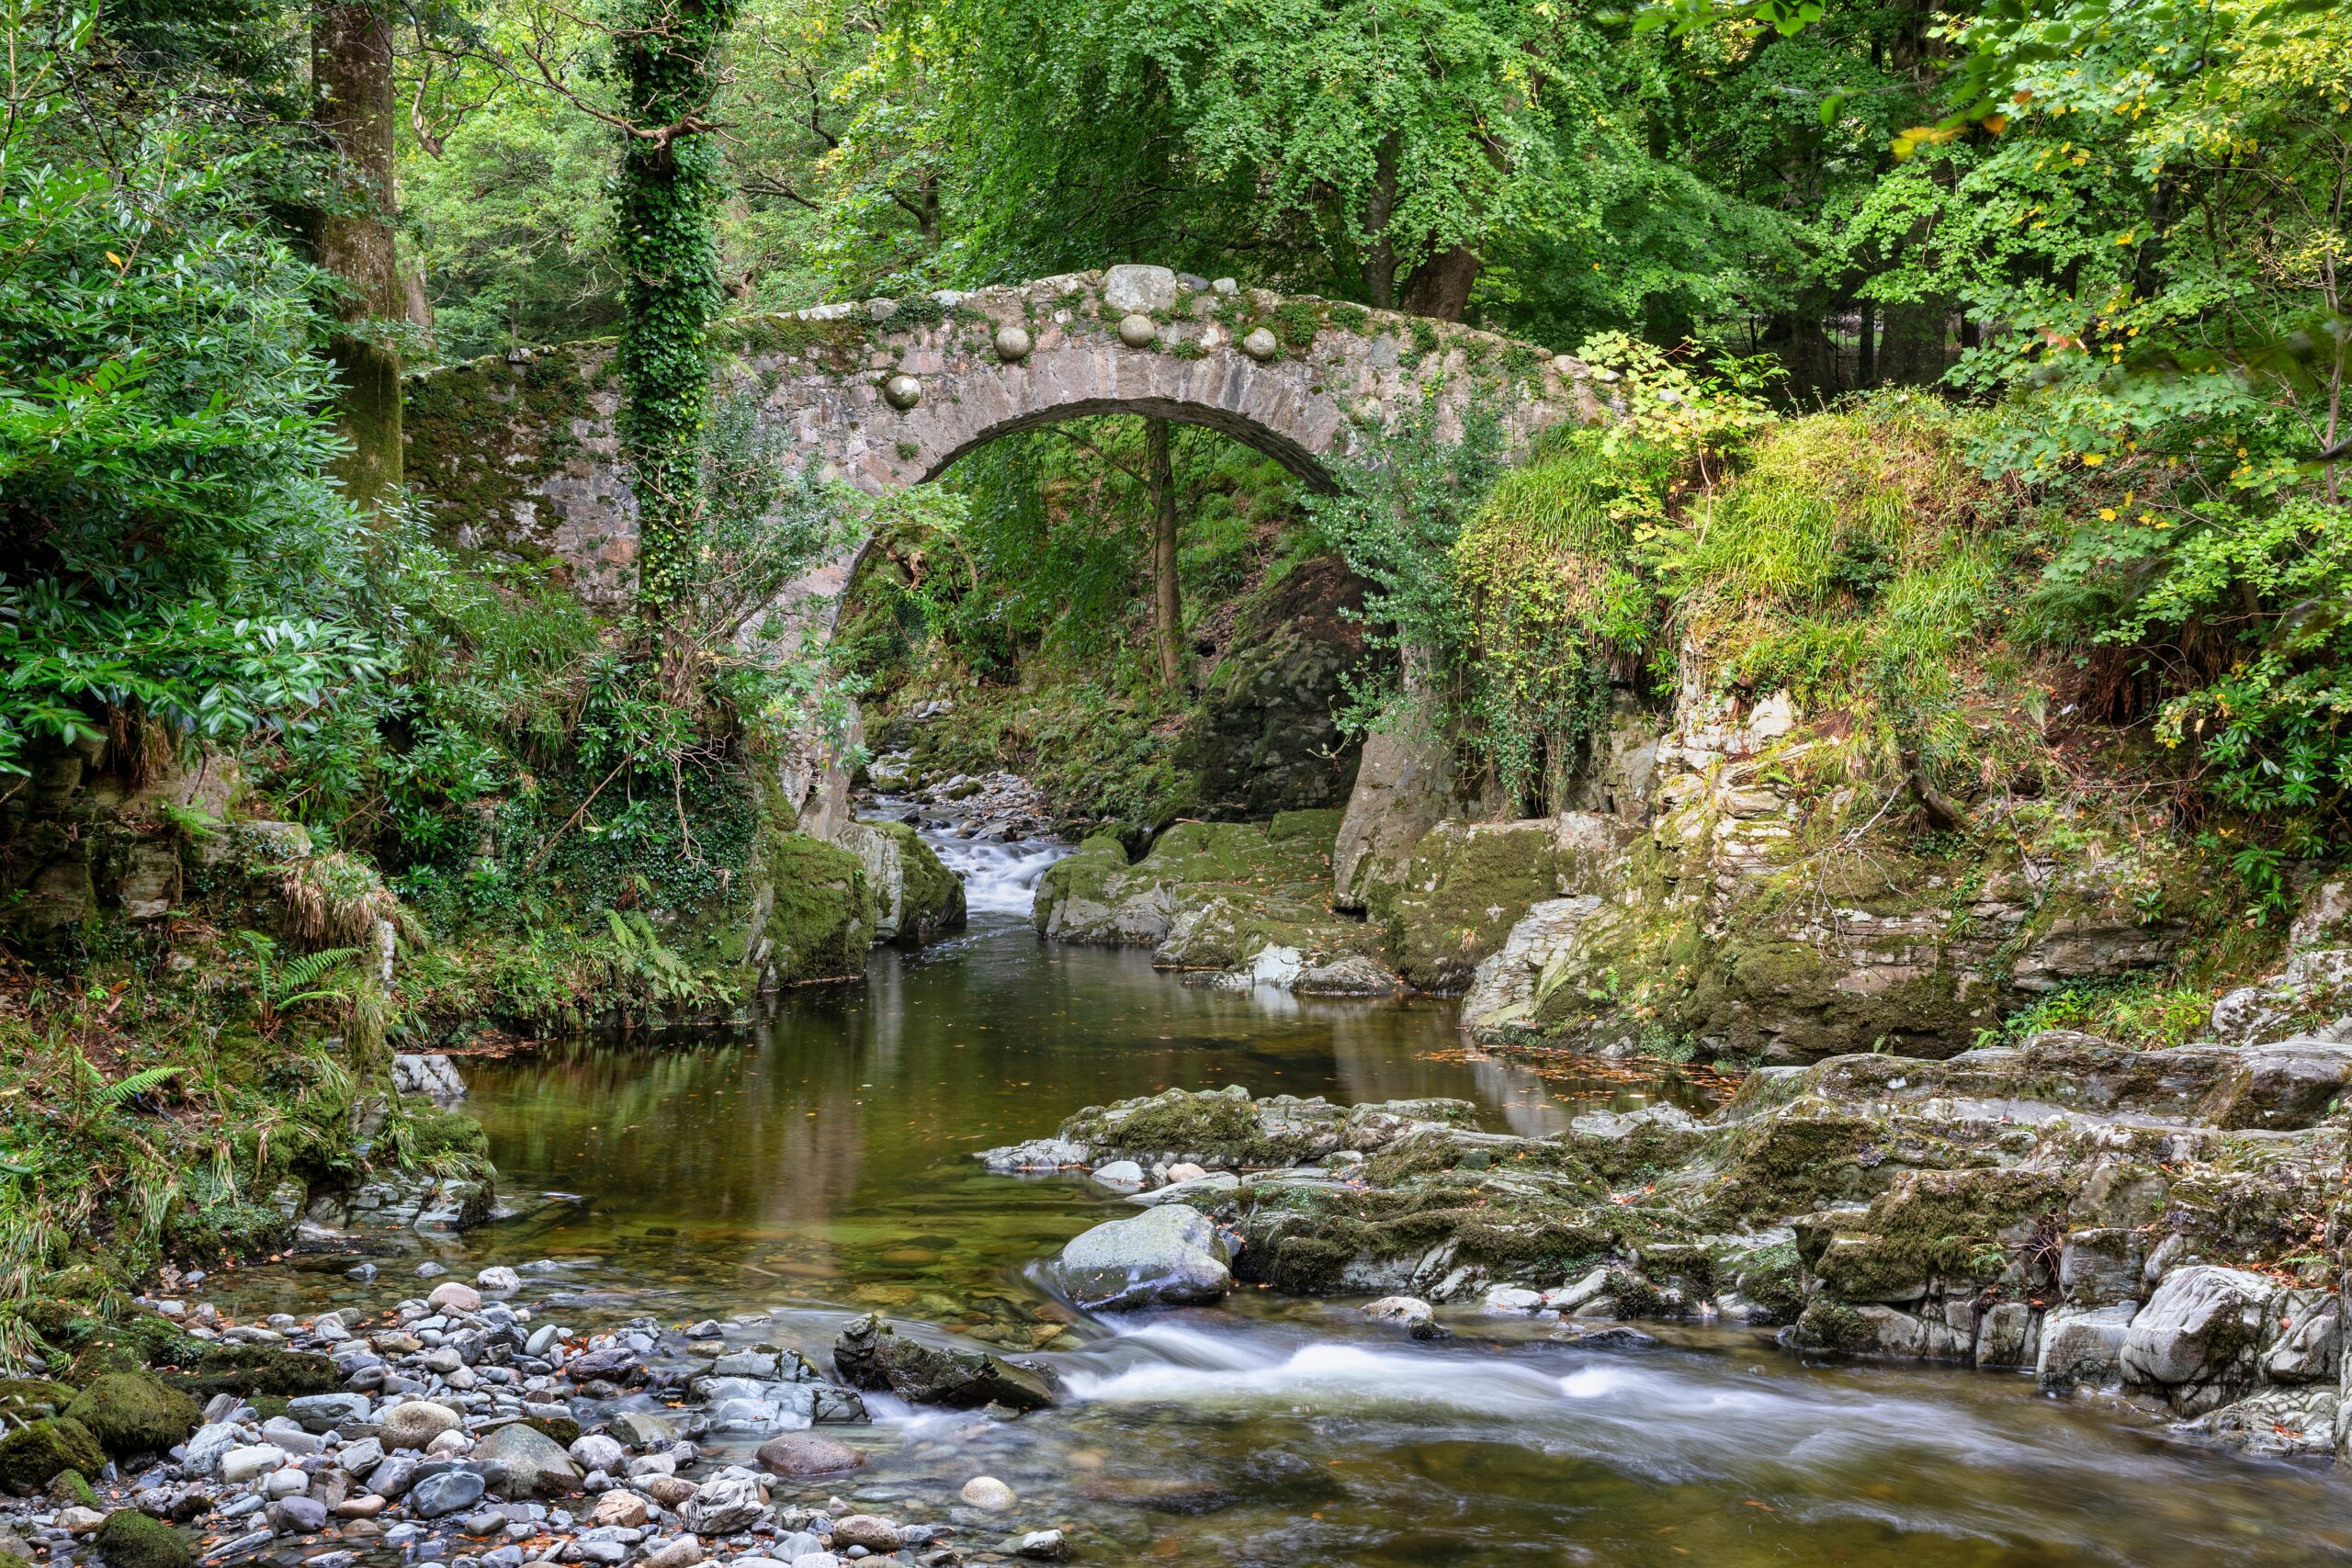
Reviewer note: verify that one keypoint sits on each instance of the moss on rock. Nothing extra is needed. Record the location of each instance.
(134, 1413)
(1466, 888)
(34, 1455)
(818, 919)
(29, 1399)
(129, 1539)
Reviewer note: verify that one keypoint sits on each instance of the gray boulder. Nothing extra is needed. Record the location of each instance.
(522, 1462)
(1168, 1256)
(2203, 1325)
(723, 1505)
(326, 1412)
(2081, 1345)
(447, 1493)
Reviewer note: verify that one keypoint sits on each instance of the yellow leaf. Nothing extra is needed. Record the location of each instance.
(2092, 459)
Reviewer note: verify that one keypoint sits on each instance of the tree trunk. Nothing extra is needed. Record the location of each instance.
(1914, 349)
(350, 75)
(1440, 286)
(1380, 253)
(1167, 610)
(668, 197)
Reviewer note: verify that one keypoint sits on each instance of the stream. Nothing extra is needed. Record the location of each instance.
(819, 1164)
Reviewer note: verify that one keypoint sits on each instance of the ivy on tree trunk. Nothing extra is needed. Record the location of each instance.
(351, 77)
(669, 194)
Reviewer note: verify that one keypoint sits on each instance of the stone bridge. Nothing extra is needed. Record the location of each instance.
(521, 452)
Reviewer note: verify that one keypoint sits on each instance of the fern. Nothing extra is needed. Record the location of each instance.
(122, 1092)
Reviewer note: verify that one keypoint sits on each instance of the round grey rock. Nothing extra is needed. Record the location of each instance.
(806, 1453)
(1138, 331)
(902, 392)
(1012, 343)
(1259, 344)
(1165, 1256)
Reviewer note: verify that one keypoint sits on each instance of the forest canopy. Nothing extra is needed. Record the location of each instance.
(228, 228)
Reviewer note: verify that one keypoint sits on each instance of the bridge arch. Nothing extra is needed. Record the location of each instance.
(520, 453)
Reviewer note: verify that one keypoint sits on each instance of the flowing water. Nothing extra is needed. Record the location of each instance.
(821, 1163)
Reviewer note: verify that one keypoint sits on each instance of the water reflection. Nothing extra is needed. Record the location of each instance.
(831, 1144)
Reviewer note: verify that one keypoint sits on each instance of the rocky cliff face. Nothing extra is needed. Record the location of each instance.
(1262, 738)
(1728, 890)
(1757, 904)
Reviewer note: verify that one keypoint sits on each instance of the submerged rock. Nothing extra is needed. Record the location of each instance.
(1169, 1256)
(869, 1355)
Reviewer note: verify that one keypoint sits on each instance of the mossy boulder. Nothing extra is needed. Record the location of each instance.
(251, 1371)
(29, 1399)
(916, 897)
(36, 1453)
(72, 1489)
(207, 1233)
(129, 1539)
(1217, 894)
(1466, 888)
(434, 1132)
(134, 1413)
(812, 914)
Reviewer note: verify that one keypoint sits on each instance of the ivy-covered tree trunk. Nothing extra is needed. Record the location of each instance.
(351, 77)
(669, 196)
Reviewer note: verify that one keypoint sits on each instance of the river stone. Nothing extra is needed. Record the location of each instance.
(415, 1424)
(445, 1493)
(1184, 1170)
(597, 1451)
(617, 1509)
(2203, 1323)
(1120, 1174)
(1044, 1546)
(1037, 1154)
(500, 1278)
(1514, 1299)
(876, 1535)
(299, 1515)
(870, 1354)
(1145, 289)
(452, 1295)
(208, 1444)
(805, 1453)
(1406, 1310)
(1166, 1256)
(241, 1465)
(642, 1428)
(323, 1413)
(2309, 1344)
(723, 1505)
(529, 1462)
(2082, 1344)
(986, 1491)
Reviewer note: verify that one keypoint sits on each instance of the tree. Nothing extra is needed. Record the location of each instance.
(667, 199)
(170, 552)
(351, 74)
